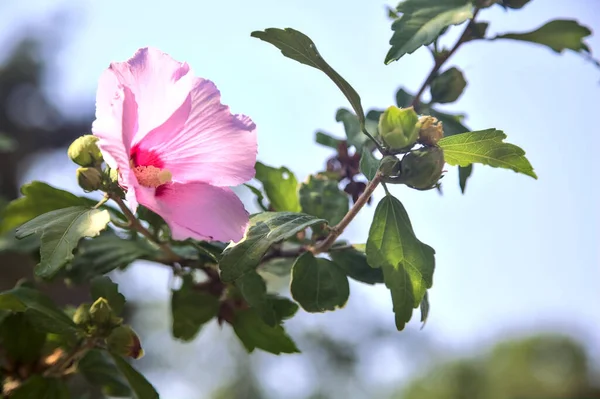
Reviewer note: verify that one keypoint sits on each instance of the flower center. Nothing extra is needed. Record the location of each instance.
(151, 176)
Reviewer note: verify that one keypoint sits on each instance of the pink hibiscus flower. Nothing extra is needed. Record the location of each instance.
(176, 147)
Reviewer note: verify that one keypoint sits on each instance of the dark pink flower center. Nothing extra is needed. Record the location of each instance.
(148, 168)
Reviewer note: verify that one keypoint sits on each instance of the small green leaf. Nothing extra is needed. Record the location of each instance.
(138, 383)
(39, 387)
(280, 186)
(476, 31)
(299, 47)
(368, 164)
(284, 308)
(191, 309)
(322, 198)
(448, 86)
(354, 263)
(326, 140)
(264, 230)
(38, 198)
(99, 371)
(21, 342)
(40, 310)
(403, 98)
(424, 308)
(407, 263)
(422, 22)
(559, 35)
(318, 284)
(7, 143)
(486, 147)
(259, 196)
(352, 128)
(61, 231)
(103, 287)
(254, 290)
(463, 174)
(255, 333)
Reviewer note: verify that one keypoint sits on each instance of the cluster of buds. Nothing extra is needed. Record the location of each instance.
(84, 152)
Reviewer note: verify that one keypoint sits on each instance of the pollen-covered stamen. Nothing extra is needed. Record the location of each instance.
(151, 176)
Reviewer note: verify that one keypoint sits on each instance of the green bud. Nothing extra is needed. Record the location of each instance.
(390, 165)
(399, 127)
(431, 131)
(421, 169)
(124, 341)
(82, 315)
(85, 152)
(100, 312)
(90, 179)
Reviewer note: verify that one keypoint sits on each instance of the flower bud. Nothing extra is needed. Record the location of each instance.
(90, 179)
(82, 315)
(399, 127)
(421, 169)
(124, 341)
(85, 152)
(100, 312)
(431, 130)
(389, 165)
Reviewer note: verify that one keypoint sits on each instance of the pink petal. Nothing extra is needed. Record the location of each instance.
(203, 142)
(197, 210)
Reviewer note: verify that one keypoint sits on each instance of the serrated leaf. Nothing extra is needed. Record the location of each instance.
(40, 310)
(422, 22)
(138, 383)
(486, 147)
(60, 232)
(281, 187)
(191, 309)
(104, 287)
(354, 263)
(264, 230)
(39, 387)
(448, 86)
(38, 198)
(327, 140)
(318, 284)
(106, 253)
(407, 263)
(299, 47)
(558, 35)
(368, 164)
(254, 290)
(255, 333)
(323, 198)
(99, 371)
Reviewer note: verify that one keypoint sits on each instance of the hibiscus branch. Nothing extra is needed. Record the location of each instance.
(135, 224)
(339, 228)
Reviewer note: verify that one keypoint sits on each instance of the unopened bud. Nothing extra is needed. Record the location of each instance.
(422, 168)
(100, 312)
(124, 341)
(389, 165)
(85, 152)
(399, 127)
(82, 315)
(431, 130)
(90, 179)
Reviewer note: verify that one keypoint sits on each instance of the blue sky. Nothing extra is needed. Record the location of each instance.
(513, 254)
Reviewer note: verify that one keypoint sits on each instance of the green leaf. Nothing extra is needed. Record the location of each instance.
(9, 243)
(452, 123)
(138, 383)
(299, 47)
(476, 31)
(284, 308)
(326, 140)
(191, 309)
(280, 186)
(403, 98)
(422, 22)
(463, 174)
(559, 35)
(106, 253)
(254, 290)
(21, 342)
(368, 164)
(448, 86)
(514, 4)
(352, 128)
(264, 230)
(255, 333)
(424, 308)
(486, 147)
(40, 310)
(99, 371)
(407, 263)
(7, 143)
(354, 263)
(318, 284)
(103, 287)
(323, 198)
(259, 196)
(38, 198)
(39, 387)
(61, 231)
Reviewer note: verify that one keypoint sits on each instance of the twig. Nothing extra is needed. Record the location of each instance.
(59, 368)
(439, 62)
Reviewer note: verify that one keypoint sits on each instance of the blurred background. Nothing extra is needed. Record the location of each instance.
(514, 307)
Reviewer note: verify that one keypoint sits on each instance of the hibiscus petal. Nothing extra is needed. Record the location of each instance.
(197, 210)
(204, 142)
(159, 85)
